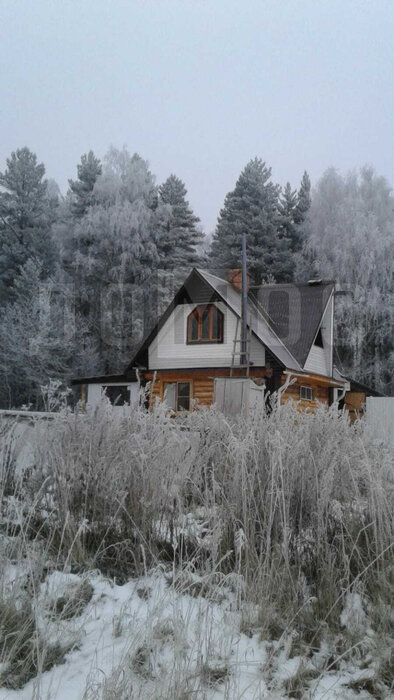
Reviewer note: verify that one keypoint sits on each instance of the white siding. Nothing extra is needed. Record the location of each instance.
(316, 361)
(319, 359)
(327, 329)
(169, 350)
(93, 394)
(95, 391)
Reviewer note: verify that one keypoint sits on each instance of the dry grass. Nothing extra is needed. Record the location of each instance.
(297, 510)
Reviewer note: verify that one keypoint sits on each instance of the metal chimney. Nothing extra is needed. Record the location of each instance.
(244, 308)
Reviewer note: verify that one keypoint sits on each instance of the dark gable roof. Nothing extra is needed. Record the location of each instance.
(294, 312)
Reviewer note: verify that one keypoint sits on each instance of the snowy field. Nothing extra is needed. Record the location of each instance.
(248, 561)
(151, 639)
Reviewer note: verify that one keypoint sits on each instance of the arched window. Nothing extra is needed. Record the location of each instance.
(205, 325)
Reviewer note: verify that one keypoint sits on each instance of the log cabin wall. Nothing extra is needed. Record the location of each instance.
(321, 393)
(202, 385)
(355, 404)
(201, 381)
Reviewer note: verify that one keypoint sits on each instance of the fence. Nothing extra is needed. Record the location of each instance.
(380, 417)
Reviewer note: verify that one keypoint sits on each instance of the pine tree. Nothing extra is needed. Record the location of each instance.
(26, 213)
(252, 207)
(81, 189)
(304, 200)
(287, 209)
(178, 235)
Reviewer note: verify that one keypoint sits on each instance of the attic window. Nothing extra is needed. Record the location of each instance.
(205, 325)
(306, 393)
(319, 339)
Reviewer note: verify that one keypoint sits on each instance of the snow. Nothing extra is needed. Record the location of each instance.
(149, 633)
(120, 620)
(353, 616)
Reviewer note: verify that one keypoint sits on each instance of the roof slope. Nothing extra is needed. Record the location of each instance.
(257, 319)
(294, 312)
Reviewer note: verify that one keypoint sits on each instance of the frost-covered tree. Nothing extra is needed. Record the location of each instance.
(114, 253)
(178, 235)
(349, 231)
(178, 239)
(90, 258)
(81, 189)
(287, 208)
(252, 207)
(303, 200)
(27, 210)
(36, 338)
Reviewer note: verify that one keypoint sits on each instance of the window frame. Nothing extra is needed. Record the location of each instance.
(177, 409)
(199, 311)
(307, 389)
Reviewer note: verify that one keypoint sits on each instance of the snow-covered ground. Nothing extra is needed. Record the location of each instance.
(265, 548)
(156, 637)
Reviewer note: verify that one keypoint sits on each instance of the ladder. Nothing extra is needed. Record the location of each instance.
(238, 352)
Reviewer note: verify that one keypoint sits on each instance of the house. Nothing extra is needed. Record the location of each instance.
(196, 343)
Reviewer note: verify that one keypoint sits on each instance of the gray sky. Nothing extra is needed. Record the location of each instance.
(198, 87)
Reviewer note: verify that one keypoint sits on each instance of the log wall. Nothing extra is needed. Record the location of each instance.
(355, 404)
(202, 385)
(320, 392)
(201, 381)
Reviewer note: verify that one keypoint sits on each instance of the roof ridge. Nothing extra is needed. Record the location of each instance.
(275, 285)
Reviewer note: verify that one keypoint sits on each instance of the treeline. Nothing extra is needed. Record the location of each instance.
(84, 276)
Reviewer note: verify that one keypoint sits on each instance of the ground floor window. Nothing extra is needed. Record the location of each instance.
(118, 395)
(177, 395)
(306, 393)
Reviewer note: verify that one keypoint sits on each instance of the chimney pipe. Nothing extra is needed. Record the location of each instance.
(244, 308)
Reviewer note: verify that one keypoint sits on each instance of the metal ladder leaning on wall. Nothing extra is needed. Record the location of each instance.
(237, 341)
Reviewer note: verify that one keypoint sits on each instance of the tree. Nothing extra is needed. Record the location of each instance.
(81, 189)
(27, 211)
(252, 207)
(178, 234)
(36, 338)
(287, 208)
(303, 200)
(113, 254)
(349, 230)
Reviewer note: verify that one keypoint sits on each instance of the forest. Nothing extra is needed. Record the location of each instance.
(84, 275)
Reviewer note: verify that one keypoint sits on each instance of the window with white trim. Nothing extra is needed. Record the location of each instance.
(306, 393)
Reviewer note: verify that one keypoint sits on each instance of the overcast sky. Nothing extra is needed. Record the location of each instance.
(198, 87)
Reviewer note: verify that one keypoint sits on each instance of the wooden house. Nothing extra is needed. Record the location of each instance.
(197, 341)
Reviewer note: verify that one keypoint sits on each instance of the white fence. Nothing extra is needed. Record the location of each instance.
(380, 417)
(237, 395)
